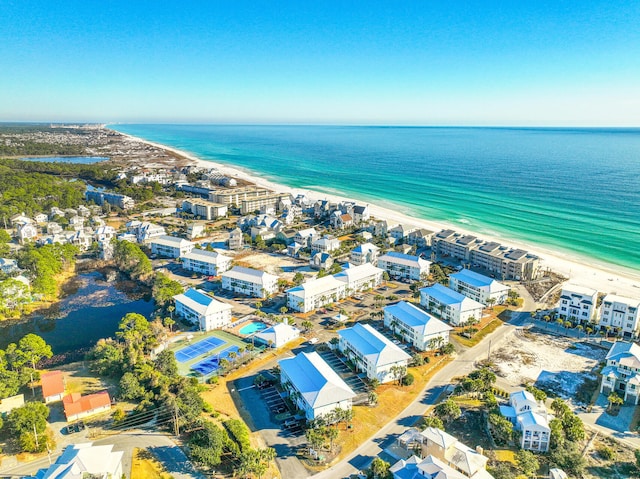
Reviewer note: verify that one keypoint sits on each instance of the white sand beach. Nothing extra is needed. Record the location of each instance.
(604, 278)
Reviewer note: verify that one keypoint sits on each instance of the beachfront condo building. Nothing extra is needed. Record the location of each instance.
(250, 282)
(621, 314)
(577, 302)
(264, 203)
(450, 305)
(204, 209)
(424, 331)
(404, 266)
(206, 262)
(622, 372)
(478, 287)
(502, 261)
(364, 253)
(170, 246)
(313, 386)
(371, 352)
(101, 197)
(197, 307)
(235, 196)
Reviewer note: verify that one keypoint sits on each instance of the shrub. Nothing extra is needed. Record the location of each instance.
(408, 380)
(606, 453)
(239, 433)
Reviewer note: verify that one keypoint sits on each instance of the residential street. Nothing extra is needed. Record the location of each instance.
(461, 365)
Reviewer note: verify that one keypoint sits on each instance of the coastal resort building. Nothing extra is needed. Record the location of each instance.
(360, 278)
(78, 407)
(424, 331)
(404, 266)
(52, 383)
(204, 209)
(530, 418)
(371, 352)
(313, 386)
(250, 282)
(277, 335)
(236, 240)
(451, 306)
(85, 461)
(478, 287)
(577, 302)
(206, 262)
(101, 197)
(199, 308)
(170, 246)
(434, 442)
(364, 253)
(622, 372)
(316, 293)
(620, 314)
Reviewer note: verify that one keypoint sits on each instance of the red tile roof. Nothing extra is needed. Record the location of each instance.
(52, 383)
(76, 404)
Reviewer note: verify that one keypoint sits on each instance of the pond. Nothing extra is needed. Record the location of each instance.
(68, 159)
(91, 311)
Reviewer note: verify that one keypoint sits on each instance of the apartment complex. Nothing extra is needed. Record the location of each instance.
(404, 266)
(250, 282)
(478, 287)
(206, 262)
(199, 308)
(416, 326)
(450, 305)
(204, 209)
(170, 246)
(101, 197)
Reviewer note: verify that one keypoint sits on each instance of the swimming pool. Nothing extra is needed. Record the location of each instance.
(252, 327)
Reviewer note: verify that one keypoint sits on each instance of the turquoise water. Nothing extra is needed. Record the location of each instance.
(68, 159)
(252, 328)
(568, 189)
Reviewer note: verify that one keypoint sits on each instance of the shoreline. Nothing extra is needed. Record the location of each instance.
(605, 277)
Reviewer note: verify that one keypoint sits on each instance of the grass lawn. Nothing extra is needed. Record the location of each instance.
(145, 466)
(392, 400)
(496, 316)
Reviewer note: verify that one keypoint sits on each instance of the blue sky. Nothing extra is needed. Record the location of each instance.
(423, 62)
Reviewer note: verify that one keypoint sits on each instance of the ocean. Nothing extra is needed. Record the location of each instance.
(572, 190)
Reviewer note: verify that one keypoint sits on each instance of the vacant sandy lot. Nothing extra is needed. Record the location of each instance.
(280, 265)
(557, 364)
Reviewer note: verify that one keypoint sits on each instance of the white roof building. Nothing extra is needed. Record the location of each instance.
(364, 253)
(80, 461)
(326, 244)
(479, 287)
(315, 294)
(423, 330)
(404, 266)
(198, 307)
(622, 372)
(359, 278)
(621, 314)
(371, 352)
(278, 335)
(314, 386)
(170, 246)
(577, 302)
(531, 418)
(450, 305)
(206, 262)
(251, 282)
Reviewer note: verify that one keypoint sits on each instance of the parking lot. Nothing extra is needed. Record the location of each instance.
(353, 380)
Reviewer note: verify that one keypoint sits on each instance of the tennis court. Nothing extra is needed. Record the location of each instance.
(211, 364)
(196, 349)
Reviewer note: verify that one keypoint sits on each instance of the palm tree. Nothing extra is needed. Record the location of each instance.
(491, 302)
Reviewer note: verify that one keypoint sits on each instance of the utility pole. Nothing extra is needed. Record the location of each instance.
(35, 433)
(176, 426)
(489, 352)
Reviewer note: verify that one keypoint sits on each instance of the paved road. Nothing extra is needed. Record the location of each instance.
(160, 445)
(461, 365)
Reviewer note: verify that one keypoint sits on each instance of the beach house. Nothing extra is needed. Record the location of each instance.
(206, 262)
(199, 308)
(305, 237)
(84, 461)
(404, 266)
(577, 302)
(326, 244)
(530, 417)
(78, 407)
(424, 331)
(621, 314)
(52, 383)
(622, 372)
(170, 246)
(364, 253)
(371, 352)
(236, 239)
(316, 293)
(277, 335)
(250, 282)
(313, 386)
(478, 287)
(451, 306)
(421, 238)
